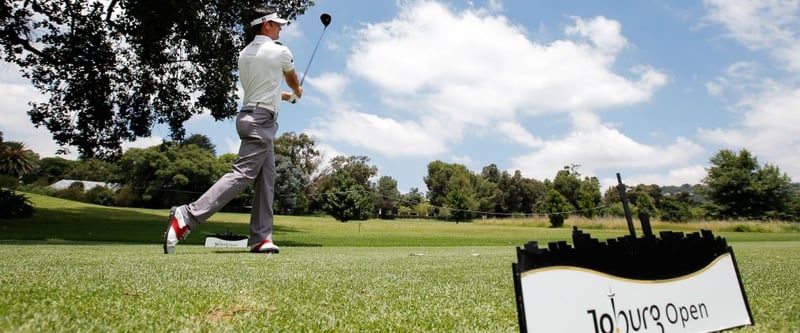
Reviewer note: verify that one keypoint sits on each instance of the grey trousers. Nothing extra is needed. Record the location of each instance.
(256, 162)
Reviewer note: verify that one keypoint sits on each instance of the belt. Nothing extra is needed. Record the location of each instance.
(250, 106)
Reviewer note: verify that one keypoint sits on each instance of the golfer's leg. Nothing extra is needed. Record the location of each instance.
(261, 219)
(245, 169)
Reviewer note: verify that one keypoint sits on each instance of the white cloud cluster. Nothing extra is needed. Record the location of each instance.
(770, 25)
(444, 76)
(768, 105)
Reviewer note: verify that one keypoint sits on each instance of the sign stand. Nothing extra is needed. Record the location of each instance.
(675, 283)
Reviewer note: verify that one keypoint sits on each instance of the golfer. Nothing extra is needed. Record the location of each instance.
(263, 66)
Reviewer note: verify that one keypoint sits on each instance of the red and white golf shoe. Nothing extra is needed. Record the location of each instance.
(266, 246)
(177, 230)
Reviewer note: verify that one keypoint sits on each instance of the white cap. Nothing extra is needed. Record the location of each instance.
(269, 17)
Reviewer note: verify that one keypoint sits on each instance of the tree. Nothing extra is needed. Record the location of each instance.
(301, 150)
(440, 180)
(201, 141)
(356, 167)
(423, 209)
(674, 209)
(113, 69)
(51, 170)
(568, 183)
(557, 208)
(345, 199)
(589, 197)
(740, 187)
(460, 198)
(16, 159)
(290, 184)
(511, 187)
(491, 173)
(532, 191)
(346, 193)
(165, 175)
(412, 198)
(94, 169)
(485, 194)
(387, 197)
(652, 190)
(793, 211)
(190, 172)
(645, 204)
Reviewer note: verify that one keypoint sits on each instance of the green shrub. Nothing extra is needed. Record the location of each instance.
(557, 207)
(9, 181)
(14, 205)
(74, 192)
(36, 189)
(615, 210)
(100, 195)
(127, 197)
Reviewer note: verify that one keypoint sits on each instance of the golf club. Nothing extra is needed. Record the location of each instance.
(326, 20)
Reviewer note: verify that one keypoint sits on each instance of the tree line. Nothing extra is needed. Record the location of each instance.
(347, 188)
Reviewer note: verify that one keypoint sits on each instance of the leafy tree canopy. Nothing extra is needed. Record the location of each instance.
(387, 197)
(740, 187)
(114, 68)
(17, 160)
(301, 150)
(201, 141)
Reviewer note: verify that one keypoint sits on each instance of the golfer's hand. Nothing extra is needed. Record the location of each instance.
(289, 97)
(293, 98)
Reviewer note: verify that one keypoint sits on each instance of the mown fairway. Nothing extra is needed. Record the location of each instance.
(87, 268)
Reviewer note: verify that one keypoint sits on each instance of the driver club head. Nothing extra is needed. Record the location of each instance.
(325, 18)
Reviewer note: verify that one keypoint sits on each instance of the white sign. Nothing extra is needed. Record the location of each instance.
(212, 241)
(573, 299)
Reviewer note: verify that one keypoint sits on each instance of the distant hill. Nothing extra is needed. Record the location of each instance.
(691, 189)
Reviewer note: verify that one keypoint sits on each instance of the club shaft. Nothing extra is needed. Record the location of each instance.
(305, 73)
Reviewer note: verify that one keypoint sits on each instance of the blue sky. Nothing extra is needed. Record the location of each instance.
(648, 88)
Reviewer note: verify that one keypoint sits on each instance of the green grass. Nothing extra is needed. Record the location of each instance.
(76, 267)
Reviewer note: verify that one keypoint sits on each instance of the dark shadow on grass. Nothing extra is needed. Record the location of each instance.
(110, 224)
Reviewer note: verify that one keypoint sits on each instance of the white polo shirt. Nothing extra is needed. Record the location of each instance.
(261, 67)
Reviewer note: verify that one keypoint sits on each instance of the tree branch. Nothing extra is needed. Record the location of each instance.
(110, 12)
(26, 44)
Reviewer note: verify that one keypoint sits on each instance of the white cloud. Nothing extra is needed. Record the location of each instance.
(604, 33)
(143, 143)
(714, 88)
(518, 134)
(597, 146)
(232, 146)
(486, 66)
(327, 153)
(495, 5)
(768, 100)
(16, 92)
(770, 25)
(331, 84)
(768, 128)
(388, 136)
(485, 73)
(464, 160)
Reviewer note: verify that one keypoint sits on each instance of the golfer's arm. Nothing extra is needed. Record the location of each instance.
(293, 83)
